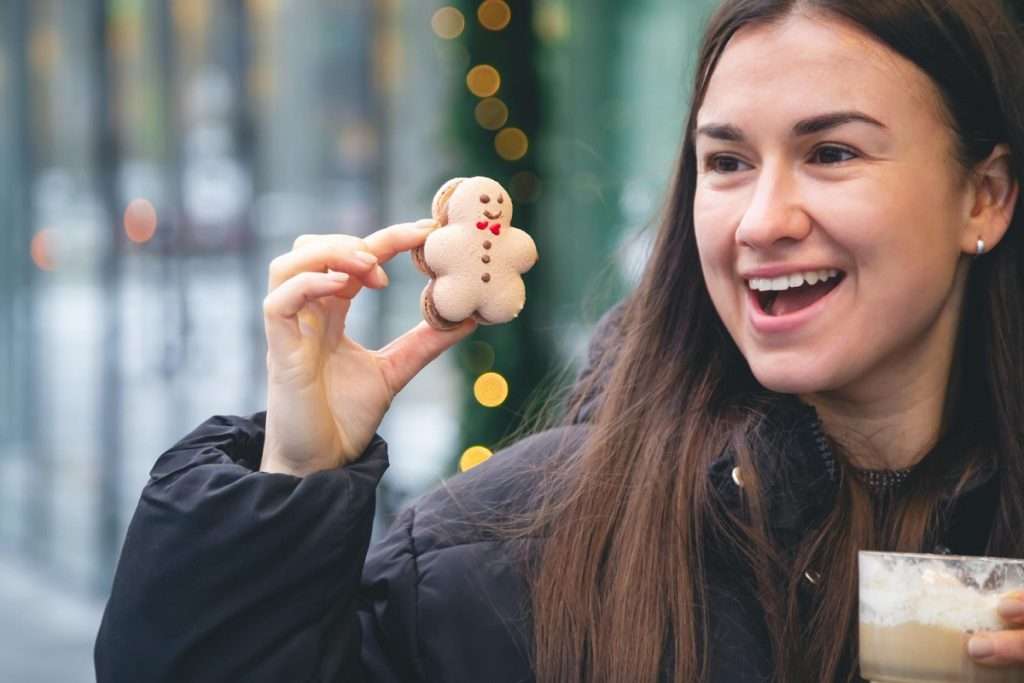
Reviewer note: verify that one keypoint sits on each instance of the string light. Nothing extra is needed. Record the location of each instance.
(551, 21)
(473, 456)
(479, 356)
(511, 144)
(490, 389)
(494, 15)
(448, 23)
(483, 80)
(525, 187)
(491, 113)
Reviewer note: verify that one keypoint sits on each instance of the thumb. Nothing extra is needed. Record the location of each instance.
(405, 356)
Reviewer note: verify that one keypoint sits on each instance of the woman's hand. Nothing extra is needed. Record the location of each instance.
(1002, 648)
(326, 394)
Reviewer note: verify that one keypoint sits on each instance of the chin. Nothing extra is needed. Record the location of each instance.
(798, 377)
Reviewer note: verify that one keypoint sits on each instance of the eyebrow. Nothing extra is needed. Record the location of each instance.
(810, 126)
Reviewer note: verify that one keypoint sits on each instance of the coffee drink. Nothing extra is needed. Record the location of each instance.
(917, 613)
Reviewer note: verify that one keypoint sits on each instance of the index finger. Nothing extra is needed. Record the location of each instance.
(388, 242)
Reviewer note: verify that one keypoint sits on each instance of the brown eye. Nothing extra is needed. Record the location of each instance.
(501, 200)
(484, 199)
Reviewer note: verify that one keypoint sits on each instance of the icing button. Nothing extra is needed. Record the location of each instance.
(486, 259)
(486, 277)
(487, 244)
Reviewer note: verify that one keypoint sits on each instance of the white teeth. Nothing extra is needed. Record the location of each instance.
(784, 282)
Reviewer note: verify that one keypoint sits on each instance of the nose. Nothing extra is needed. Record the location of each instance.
(775, 214)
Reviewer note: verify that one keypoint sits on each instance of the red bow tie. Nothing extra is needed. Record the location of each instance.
(495, 227)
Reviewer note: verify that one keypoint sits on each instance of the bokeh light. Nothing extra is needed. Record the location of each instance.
(140, 221)
(448, 23)
(491, 113)
(44, 49)
(511, 144)
(494, 15)
(483, 80)
(551, 21)
(479, 356)
(42, 248)
(261, 81)
(388, 59)
(473, 456)
(490, 389)
(191, 16)
(525, 187)
(358, 143)
(263, 10)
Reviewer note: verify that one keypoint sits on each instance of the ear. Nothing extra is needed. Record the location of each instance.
(993, 197)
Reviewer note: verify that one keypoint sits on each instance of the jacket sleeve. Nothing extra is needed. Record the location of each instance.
(232, 574)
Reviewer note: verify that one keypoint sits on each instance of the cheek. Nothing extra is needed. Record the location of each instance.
(716, 248)
(714, 234)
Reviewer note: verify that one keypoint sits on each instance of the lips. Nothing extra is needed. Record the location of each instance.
(796, 313)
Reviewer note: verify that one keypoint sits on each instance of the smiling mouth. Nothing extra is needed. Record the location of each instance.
(497, 215)
(790, 300)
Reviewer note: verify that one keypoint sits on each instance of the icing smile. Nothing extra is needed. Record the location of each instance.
(497, 215)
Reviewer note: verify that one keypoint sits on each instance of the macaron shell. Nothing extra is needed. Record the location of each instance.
(438, 207)
(420, 261)
(430, 313)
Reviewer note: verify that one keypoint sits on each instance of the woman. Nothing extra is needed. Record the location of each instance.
(822, 356)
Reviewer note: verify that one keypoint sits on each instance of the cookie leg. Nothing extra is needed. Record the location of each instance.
(454, 297)
(506, 305)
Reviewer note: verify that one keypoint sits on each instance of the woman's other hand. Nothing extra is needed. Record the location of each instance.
(1002, 648)
(327, 394)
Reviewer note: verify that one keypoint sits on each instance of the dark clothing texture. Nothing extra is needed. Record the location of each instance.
(231, 574)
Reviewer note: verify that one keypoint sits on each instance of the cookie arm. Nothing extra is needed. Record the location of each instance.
(522, 251)
(441, 249)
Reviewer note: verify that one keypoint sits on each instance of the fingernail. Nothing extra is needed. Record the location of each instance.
(1011, 607)
(383, 276)
(980, 647)
(366, 257)
(338, 277)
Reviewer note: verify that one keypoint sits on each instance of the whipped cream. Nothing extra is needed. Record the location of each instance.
(935, 591)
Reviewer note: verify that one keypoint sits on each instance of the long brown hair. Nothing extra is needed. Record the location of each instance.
(619, 587)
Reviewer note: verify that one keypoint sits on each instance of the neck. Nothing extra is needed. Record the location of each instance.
(891, 434)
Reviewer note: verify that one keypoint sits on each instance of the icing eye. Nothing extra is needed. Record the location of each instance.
(501, 200)
(484, 199)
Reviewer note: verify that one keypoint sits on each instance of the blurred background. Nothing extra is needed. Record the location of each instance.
(155, 155)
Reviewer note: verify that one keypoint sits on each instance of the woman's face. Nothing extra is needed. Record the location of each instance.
(820, 149)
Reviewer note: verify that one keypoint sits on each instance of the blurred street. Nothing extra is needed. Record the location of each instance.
(159, 154)
(47, 631)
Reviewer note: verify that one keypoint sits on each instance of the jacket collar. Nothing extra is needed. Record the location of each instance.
(801, 479)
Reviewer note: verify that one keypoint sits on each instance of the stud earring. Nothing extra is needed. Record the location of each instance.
(981, 246)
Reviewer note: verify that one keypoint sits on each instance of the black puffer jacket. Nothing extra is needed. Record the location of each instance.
(231, 574)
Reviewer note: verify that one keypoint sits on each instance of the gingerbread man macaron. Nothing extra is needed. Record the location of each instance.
(474, 258)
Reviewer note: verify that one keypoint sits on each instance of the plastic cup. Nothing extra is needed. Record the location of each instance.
(918, 611)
